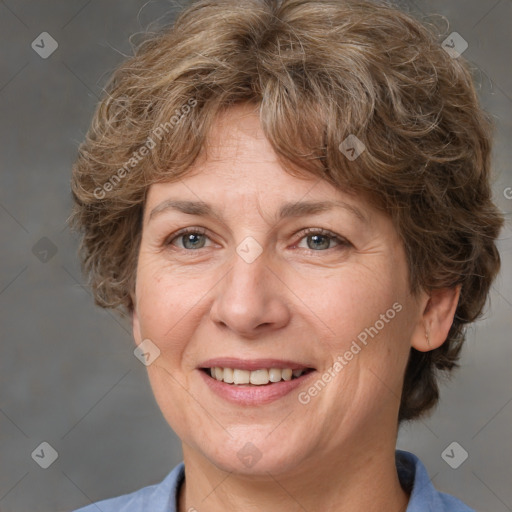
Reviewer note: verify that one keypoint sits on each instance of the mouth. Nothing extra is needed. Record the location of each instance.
(253, 382)
(257, 377)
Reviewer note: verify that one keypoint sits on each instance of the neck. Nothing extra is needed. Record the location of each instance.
(350, 482)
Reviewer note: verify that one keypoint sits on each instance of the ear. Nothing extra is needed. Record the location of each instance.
(438, 310)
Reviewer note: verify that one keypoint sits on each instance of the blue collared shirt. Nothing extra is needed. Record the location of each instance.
(163, 497)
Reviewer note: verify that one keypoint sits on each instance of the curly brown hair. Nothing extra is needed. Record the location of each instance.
(318, 70)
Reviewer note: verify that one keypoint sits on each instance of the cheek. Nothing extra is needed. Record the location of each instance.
(161, 303)
(167, 308)
(348, 302)
(171, 304)
(365, 314)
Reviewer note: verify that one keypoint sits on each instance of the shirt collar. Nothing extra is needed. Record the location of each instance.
(412, 474)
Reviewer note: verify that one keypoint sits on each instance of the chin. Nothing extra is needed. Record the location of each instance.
(255, 455)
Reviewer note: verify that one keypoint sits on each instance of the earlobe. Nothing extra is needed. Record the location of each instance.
(436, 319)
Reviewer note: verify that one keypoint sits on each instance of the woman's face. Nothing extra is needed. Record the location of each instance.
(248, 289)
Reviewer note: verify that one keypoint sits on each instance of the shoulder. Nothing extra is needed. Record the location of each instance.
(160, 497)
(423, 495)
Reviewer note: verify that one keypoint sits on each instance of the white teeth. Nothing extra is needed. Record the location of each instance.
(241, 376)
(274, 374)
(259, 377)
(228, 375)
(255, 377)
(287, 374)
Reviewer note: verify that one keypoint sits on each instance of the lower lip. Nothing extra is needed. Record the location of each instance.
(242, 394)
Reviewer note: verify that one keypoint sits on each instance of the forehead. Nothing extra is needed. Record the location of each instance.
(238, 168)
(236, 145)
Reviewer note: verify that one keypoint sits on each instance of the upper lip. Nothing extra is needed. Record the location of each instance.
(252, 364)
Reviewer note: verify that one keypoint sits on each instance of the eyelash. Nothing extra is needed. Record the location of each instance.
(342, 242)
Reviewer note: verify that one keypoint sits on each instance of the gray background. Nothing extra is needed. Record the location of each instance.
(67, 371)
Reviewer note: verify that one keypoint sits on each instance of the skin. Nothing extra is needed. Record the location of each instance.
(301, 301)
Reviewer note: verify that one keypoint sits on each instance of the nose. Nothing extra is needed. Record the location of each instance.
(252, 298)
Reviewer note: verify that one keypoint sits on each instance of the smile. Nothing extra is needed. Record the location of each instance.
(259, 377)
(254, 382)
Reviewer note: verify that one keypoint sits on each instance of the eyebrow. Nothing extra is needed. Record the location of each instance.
(291, 209)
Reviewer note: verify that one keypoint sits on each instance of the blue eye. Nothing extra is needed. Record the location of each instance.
(321, 239)
(190, 237)
(193, 239)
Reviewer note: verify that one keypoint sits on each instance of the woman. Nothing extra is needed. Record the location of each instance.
(291, 200)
